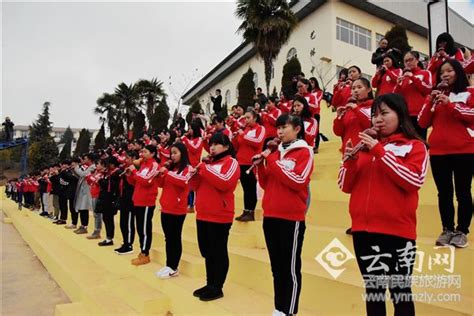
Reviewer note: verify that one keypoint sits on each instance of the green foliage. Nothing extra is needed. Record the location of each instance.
(246, 88)
(291, 69)
(83, 143)
(275, 92)
(268, 25)
(66, 151)
(42, 127)
(397, 38)
(194, 108)
(150, 93)
(159, 119)
(138, 125)
(99, 141)
(68, 135)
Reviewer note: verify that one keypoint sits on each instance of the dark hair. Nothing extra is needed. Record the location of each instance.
(76, 160)
(397, 103)
(306, 113)
(446, 37)
(222, 139)
(461, 83)
(259, 88)
(196, 128)
(343, 71)
(316, 83)
(272, 99)
(184, 161)
(217, 119)
(112, 161)
(251, 110)
(153, 150)
(172, 138)
(395, 60)
(417, 56)
(133, 154)
(366, 83)
(91, 156)
(306, 82)
(294, 121)
(218, 90)
(356, 67)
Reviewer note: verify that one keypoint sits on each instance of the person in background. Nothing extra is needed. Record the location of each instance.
(301, 109)
(343, 89)
(318, 95)
(261, 98)
(379, 54)
(385, 78)
(93, 182)
(83, 199)
(216, 101)
(445, 49)
(268, 118)
(8, 128)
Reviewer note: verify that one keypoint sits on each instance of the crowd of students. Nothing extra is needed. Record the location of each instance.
(385, 160)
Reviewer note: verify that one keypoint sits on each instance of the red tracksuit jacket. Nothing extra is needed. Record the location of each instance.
(269, 122)
(341, 95)
(310, 130)
(285, 106)
(194, 147)
(164, 153)
(384, 185)
(353, 122)
(249, 144)
(318, 95)
(214, 186)
(386, 83)
(285, 179)
(453, 124)
(145, 182)
(174, 196)
(435, 63)
(415, 90)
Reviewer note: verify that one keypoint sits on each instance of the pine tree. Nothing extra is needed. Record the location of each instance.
(275, 92)
(194, 108)
(161, 115)
(291, 69)
(397, 38)
(66, 151)
(246, 88)
(68, 135)
(83, 143)
(138, 124)
(99, 141)
(42, 150)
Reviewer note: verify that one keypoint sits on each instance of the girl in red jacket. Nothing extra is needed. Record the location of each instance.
(354, 117)
(318, 95)
(385, 79)
(304, 89)
(301, 109)
(249, 143)
(445, 50)
(144, 198)
(269, 117)
(452, 150)
(167, 138)
(343, 89)
(285, 178)
(214, 184)
(391, 169)
(414, 85)
(173, 203)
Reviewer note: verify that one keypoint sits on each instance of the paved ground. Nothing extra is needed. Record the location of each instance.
(27, 287)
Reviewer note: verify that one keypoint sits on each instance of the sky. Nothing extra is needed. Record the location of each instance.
(69, 53)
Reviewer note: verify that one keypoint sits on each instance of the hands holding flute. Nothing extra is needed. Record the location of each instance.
(438, 96)
(368, 140)
(272, 145)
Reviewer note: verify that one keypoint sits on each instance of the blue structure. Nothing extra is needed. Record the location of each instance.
(23, 142)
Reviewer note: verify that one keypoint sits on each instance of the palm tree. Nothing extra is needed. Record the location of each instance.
(150, 93)
(129, 102)
(268, 25)
(108, 107)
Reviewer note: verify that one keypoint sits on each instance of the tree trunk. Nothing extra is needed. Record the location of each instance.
(268, 72)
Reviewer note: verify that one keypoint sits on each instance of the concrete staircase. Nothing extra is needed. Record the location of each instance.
(99, 282)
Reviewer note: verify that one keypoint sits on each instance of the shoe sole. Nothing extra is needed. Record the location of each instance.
(459, 246)
(124, 253)
(442, 244)
(211, 298)
(168, 276)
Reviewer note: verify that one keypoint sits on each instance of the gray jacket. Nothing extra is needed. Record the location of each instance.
(83, 198)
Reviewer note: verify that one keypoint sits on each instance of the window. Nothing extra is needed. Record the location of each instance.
(292, 53)
(378, 38)
(227, 97)
(353, 34)
(255, 79)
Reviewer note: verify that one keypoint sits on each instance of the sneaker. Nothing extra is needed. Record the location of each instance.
(200, 291)
(59, 222)
(70, 226)
(124, 250)
(106, 243)
(349, 231)
(248, 216)
(141, 259)
(166, 273)
(445, 238)
(276, 312)
(81, 230)
(43, 214)
(241, 215)
(211, 294)
(459, 240)
(94, 235)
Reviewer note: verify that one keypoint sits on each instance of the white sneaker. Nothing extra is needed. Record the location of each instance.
(277, 313)
(166, 273)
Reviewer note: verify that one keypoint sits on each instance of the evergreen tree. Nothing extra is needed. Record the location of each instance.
(99, 141)
(275, 92)
(161, 115)
(291, 69)
(397, 38)
(246, 88)
(42, 150)
(83, 143)
(138, 124)
(194, 108)
(66, 151)
(68, 135)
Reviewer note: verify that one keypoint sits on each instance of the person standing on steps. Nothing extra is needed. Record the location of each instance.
(68, 183)
(216, 102)
(93, 181)
(285, 177)
(83, 199)
(214, 183)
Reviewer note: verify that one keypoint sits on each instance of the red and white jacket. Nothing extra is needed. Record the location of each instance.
(194, 147)
(164, 152)
(223, 130)
(214, 186)
(174, 196)
(285, 106)
(353, 122)
(92, 180)
(453, 124)
(285, 179)
(235, 124)
(310, 130)
(318, 96)
(415, 90)
(312, 102)
(341, 95)
(269, 122)
(468, 66)
(384, 184)
(436, 61)
(145, 182)
(386, 83)
(249, 143)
